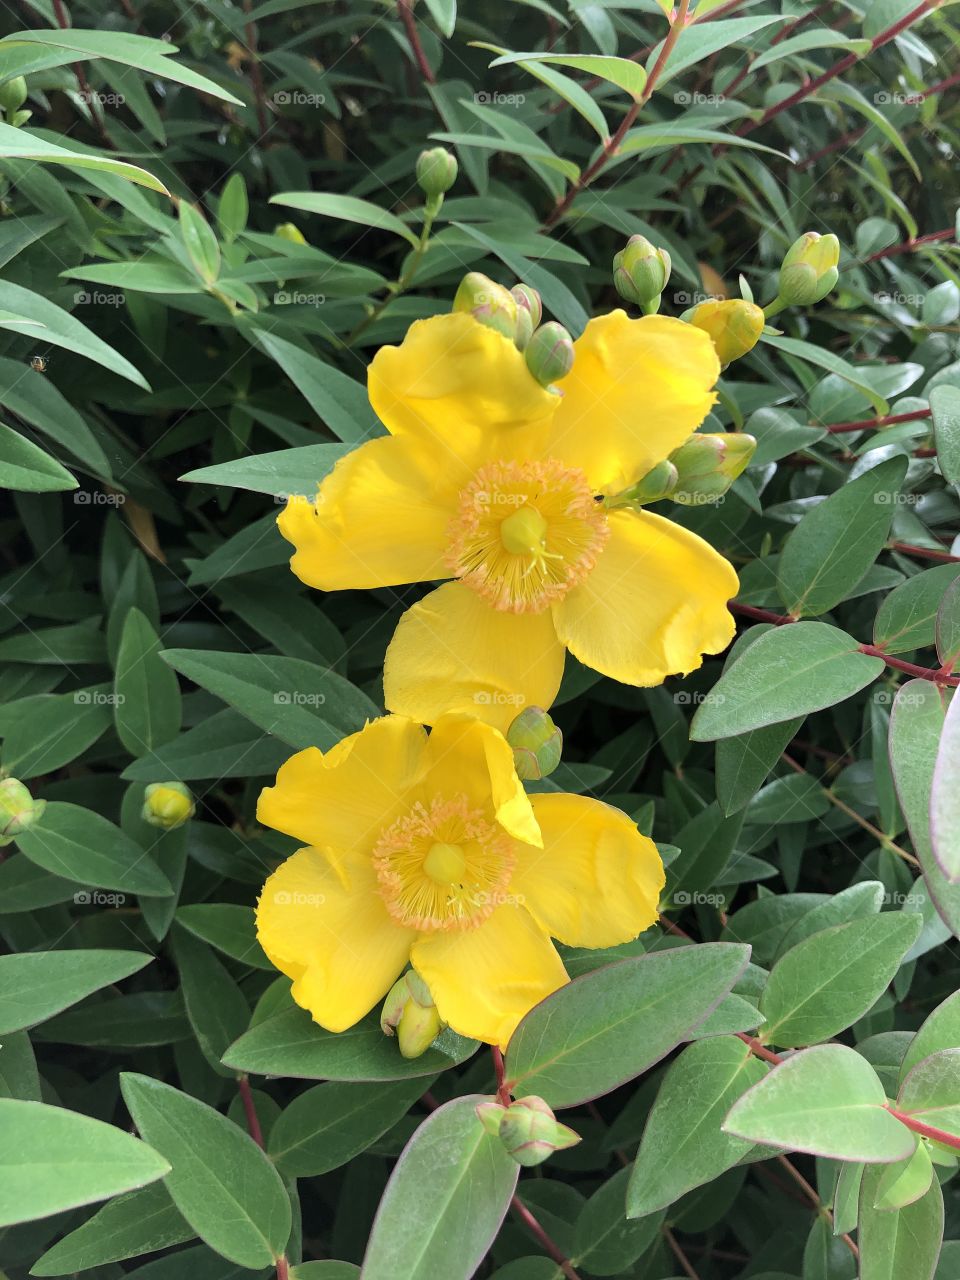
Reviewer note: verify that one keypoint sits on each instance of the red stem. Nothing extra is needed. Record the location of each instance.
(926, 1130)
(249, 1110)
(924, 553)
(503, 1087)
(907, 246)
(405, 9)
(760, 1050)
(256, 71)
(546, 1244)
(868, 424)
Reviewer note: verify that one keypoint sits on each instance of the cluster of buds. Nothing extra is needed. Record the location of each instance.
(528, 1129)
(13, 94)
(734, 326)
(537, 744)
(410, 1014)
(18, 810)
(167, 805)
(700, 471)
(436, 173)
(640, 272)
(516, 313)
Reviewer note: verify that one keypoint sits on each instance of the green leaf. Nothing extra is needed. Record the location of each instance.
(930, 1091)
(345, 209)
(19, 144)
(828, 981)
(651, 137)
(220, 1180)
(303, 704)
(445, 1200)
(147, 695)
(945, 797)
(948, 626)
(328, 1125)
(145, 275)
(217, 1008)
(610, 1025)
(621, 72)
(906, 619)
(35, 985)
(52, 730)
(900, 1244)
(697, 42)
(228, 927)
(790, 671)
(292, 1044)
(683, 1145)
(200, 241)
(133, 1224)
(19, 1077)
(607, 1243)
(941, 1030)
(81, 845)
(570, 90)
(444, 14)
(906, 1181)
(799, 797)
(26, 467)
(226, 745)
(37, 401)
(818, 38)
(281, 473)
(52, 1160)
(744, 761)
(828, 1101)
(832, 363)
(838, 540)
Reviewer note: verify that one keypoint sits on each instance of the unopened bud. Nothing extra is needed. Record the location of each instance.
(640, 272)
(13, 94)
(549, 353)
(18, 810)
(167, 805)
(707, 465)
(436, 171)
(529, 311)
(488, 302)
(537, 744)
(409, 1012)
(290, 231)
(734, 326)
(528, 1129)
(655, 485)
(809, 270)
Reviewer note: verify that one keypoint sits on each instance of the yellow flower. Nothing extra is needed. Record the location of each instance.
(427, 849)
(492, 480)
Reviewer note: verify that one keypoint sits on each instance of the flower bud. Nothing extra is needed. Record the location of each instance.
(488, 302)
(656, 484)
(809, 270)
(640, 273)
(734, 326)
(18, 810)
(529, 311)
(537, 744)
(290, 231)
(167, 805)
(707, 465)
(549, 353)
(409, 1012)
(13, 94)
(528, 1129)
(436, 171)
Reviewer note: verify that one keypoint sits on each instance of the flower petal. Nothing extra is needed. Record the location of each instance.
(596, 882)
(466, 756)
(637, 389)
(380, 519)
(340, 799)
(655, 602)
(454, 652)
(460, 387)
(484, 980)
(339, 945)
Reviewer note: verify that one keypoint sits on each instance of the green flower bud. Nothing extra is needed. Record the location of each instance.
(549, 353)
(734, 326)
(528, 1129)
(528, 299)
(409, 1012)
(537, 744)
(707, 465)
(640, 273)
(436, 171)
(290, 231)
(809, 270)
(167, 805)
(488, 302)
(18, 810)
(656, 484)
(13, 94)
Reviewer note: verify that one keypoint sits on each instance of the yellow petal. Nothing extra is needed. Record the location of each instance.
(380, 519)
(466, 756)
(655, 602)
(339, 945)
(459, 386)
(454, 652)
(637, 389)
(339, 800)
(596, 882)
(484, 980)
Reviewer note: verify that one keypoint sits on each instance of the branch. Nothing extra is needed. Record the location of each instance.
(256, 1133)
(868, 424)
(924, 553)
(546, 1244)
(405, 9)
(256, 71)
(926, 1130)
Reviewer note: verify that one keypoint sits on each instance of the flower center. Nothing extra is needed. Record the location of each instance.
(526, 532)
(442, 865)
